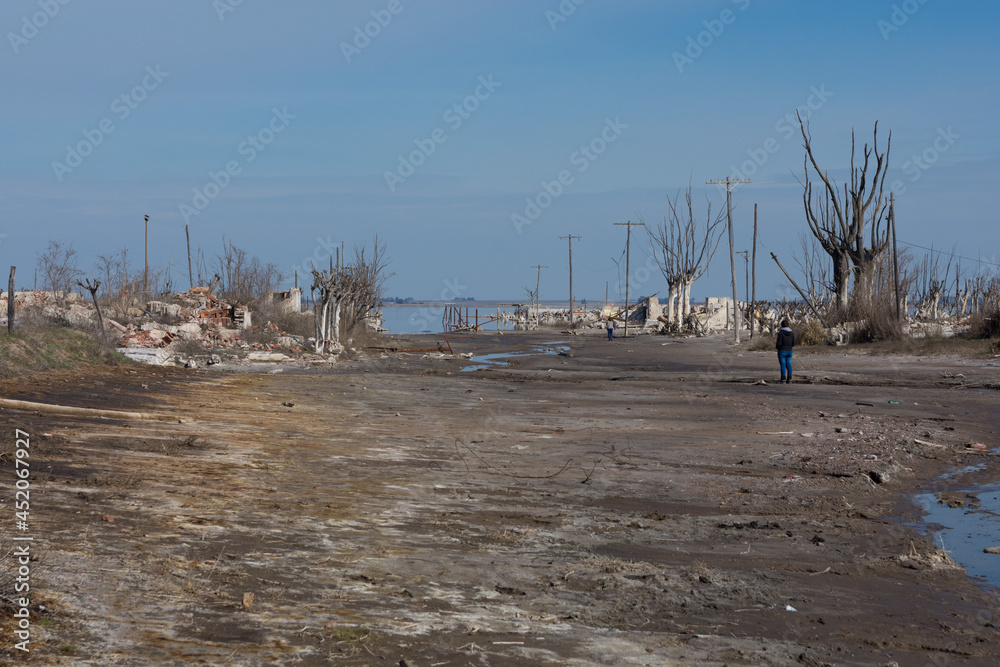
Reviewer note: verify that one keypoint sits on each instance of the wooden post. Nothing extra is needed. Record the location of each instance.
(190, 274)
(570, 238)
(538, 286)
(10, 301)
(753, 297)
(732, 259)
(628, 243)
(92, 288)
(145, 279)
(895, 256)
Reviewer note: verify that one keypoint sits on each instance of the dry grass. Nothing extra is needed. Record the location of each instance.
(986, 324)
(33, 349)
(919, 347)
(874, 322)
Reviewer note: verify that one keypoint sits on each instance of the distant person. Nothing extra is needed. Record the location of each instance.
(611, 328)
(784, 344)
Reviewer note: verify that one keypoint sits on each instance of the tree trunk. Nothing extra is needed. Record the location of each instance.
(686, 298)
(864, 284)
(841, 279)
(671, 296)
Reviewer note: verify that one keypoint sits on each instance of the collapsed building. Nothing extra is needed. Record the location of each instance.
(174, 332)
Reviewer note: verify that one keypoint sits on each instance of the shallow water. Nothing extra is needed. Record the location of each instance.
(498, 359)
(424, 319)
(965, 531)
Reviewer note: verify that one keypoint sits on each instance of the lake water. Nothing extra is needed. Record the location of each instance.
(426, 318)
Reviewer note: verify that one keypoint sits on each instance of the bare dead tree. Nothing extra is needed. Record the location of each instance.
(92, 287)
(683, 250)
(59, 267)
(244, 278)
(932, 283)
(122, 288)
(850, 225)
(532, 294)
(346, 296)
(366, 277)
(328, 288)
(817, 283)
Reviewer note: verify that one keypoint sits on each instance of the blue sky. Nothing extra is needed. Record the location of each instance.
(275, 125)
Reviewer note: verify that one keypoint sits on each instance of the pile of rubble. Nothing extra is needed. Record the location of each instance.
(162, 333)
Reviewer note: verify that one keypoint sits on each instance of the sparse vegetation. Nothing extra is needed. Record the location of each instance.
(31, 349)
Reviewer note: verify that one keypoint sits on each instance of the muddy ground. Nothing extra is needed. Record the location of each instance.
(638, 502)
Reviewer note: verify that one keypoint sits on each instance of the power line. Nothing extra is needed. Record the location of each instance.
(943, 252)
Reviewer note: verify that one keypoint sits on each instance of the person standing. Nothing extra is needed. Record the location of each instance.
(784, 344)
(611, 328)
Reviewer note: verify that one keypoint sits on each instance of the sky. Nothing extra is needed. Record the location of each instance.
(471, 135)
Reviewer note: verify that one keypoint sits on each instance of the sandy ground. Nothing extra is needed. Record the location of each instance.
(638, 502)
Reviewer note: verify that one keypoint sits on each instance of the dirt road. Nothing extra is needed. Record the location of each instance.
(637, 502)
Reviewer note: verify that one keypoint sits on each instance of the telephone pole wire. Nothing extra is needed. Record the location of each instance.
(628, 242)
(729, 183)
(570, 237)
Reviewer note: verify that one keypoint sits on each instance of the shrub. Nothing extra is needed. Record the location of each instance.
(810, 332)
(986, 324)
(874, 322)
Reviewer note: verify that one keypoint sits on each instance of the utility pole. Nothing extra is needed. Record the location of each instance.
(10, 301)
(145, 279)
(729, 183)
(570, 237)
(746, 269)
(895, 257)
(753, 297)
(628, 242)
(190, 274)
(538, 283)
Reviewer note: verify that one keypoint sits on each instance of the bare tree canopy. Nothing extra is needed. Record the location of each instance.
(346, 296)
(850, 225)
(58, 265)
(683, 250)
(243, 278)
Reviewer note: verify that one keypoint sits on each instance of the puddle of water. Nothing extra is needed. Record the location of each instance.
(966, 531)
(498, 359)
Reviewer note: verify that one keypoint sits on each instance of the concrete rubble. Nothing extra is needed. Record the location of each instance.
(191, 324)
